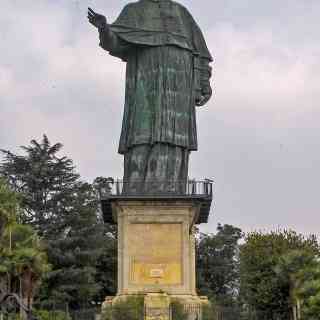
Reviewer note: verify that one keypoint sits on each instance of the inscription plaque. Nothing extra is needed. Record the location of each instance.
(155, 251)
(156, 273)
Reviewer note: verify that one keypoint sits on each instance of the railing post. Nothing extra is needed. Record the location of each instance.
(118, 192)
(194, 188)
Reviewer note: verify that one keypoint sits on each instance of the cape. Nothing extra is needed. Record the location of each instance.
(160, 23)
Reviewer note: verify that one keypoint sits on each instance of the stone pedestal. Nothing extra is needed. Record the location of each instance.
(156, 249)
(156, 252)
(157, 306)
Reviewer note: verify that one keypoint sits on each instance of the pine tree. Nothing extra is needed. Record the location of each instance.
(45, 183)
(76, 253)
(107, 263)
(64, 211)
(106, 268)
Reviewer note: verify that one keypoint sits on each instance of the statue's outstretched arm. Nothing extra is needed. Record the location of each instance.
(108, 39)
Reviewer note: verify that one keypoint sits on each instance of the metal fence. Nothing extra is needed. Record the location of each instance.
(84, 314)
(11, 308)
(151, 313)
(238, 313)
(111, 187)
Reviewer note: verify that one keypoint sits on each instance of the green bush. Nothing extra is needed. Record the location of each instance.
(106, 313)
(178, 312)
(51, 315)
(131, 308)
(208, 312)
(12, 316)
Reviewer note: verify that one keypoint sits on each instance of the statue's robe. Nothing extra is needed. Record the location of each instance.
(167, 59)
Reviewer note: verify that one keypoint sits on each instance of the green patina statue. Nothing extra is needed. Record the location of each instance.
(168, 74)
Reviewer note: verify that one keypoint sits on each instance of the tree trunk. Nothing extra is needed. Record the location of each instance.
(23, 314)
(27, 283)
(298, 309)
(294, 312)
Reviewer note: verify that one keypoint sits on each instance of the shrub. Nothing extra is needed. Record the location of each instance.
(130, 308)
(107, 313)
(178, 312)
(208, 312)
(51, 315)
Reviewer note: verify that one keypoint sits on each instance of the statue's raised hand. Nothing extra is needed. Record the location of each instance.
(96, 19)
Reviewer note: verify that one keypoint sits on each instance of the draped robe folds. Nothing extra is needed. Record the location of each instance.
(167, 63)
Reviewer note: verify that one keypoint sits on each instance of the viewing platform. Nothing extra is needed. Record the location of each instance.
(197, 192)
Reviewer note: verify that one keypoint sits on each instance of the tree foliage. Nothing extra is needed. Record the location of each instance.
(269, 266)
(45, 182)
(23, 261)
(76, 253)
(217, 263)
(63, 210)
(8, 206)
(308, 291)
(107, 264)
(106, 267)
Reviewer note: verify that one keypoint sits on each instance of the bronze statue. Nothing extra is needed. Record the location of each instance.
(167, 75)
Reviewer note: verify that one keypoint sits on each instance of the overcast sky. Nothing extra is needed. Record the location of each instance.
(258, 136)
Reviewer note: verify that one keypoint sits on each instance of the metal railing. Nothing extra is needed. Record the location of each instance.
(111, 187)
(136, 313)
